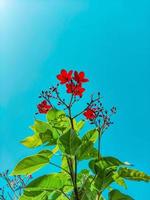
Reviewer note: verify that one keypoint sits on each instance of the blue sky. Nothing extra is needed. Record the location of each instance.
(109, 40)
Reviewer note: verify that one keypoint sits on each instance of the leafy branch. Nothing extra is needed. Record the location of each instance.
(61, 133)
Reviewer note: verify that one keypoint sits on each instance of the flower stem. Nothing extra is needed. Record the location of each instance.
(99, 143)
(75, 158)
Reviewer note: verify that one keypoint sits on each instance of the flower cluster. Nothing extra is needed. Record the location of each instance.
(73, 81)
(90, 113)
(43, 107)
(97, 114)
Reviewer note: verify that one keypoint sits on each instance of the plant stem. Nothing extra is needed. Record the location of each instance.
(64, 194)
(98, 196)
(99, 143)
(59, 98)
(69, 160)
(8, 181)
(75, 158)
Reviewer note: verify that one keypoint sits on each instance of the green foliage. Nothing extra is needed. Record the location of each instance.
(117, 195)
(49, 182)
(86, 151)
(33, 163)
(133, 174)
(119, 180)
(58, 120)
(32, 141)
(78, 125)
(104, 164)
(44, 133)
(34, 196)
(87, 192)
(69, 142)
(55, 115)
(62, 132)
(91, 136)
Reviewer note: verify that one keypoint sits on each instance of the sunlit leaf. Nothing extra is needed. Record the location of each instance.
(117, 195)
(91, 136)
(119, 180)
(32, 141)
(78, 125)
(69, 142)
(32, 196)
(86, 151)
(32, 163)
(86, 191)
(55, 114)
(44, 133)
(49, 182)
(133, 174)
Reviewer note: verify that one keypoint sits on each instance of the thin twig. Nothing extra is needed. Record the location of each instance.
(8, 181)
(64, 194)
(59, 98)
(89, 105)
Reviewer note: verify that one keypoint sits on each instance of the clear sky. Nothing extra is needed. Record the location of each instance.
(109, 40)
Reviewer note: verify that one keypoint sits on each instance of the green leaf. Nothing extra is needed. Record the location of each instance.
(55, 114)
(69, 142)
(91, 136)
(97, 166)
(82, 176)
(40, 126)
(49, 182)
(86, 192)
(64, 163)
(58, 120)
(32, 163)
(62, 197)
(32, 196)
(112, 161)
(54, 195)
(46, 153)
(78, 125)
(117, 195)
(49, 137)
(133, 174)
(44, 133)
(32, 141)
(57, 195)
(104, 169)
(119, 180)
(86, 151)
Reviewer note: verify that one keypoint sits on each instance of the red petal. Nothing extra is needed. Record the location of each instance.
(70, 73)
(64, 72)
(81, 75)
(59, 77)
(85, 80)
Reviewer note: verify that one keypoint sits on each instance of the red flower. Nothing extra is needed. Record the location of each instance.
(90, 113)
(43, 107)
(64, 76)
(80, 77)
(76, 90)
